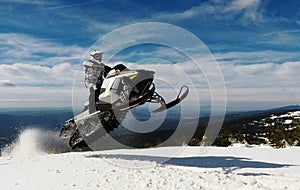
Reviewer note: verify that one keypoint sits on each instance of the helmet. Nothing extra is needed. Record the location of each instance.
(95, 52)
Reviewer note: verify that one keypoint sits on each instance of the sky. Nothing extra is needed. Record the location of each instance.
(253, 45)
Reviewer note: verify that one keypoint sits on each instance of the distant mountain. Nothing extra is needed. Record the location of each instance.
(286, 108)
(235, 117)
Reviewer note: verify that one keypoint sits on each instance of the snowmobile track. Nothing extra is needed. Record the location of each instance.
(104, 127)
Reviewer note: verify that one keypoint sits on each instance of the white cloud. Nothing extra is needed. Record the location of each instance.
(219, 10)
(261, 98)
(238, 5)
(35, 75)
(276, 33)
(253, 84)
(265, 56)
(249, 9)
(262, 75)
(284, 75)
(35, 97)
(212, 9)
(190, 13)
(288, 39)
(22, 48)
(32, 2)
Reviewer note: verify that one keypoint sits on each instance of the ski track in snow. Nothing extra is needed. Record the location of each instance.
(237, 167)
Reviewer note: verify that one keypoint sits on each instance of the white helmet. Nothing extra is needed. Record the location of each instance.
(95, 52)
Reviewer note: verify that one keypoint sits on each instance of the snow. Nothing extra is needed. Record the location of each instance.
(236, 167)
(288, 122)
(294, 114)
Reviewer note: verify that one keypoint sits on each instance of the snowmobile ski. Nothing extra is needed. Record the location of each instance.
(184, 90)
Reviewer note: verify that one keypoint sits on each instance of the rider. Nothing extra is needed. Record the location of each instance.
(94, 76)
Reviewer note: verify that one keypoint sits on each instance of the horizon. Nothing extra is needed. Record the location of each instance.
(246, 52)
(205, 111)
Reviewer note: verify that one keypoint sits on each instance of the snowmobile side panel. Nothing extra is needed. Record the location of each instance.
(141, 100)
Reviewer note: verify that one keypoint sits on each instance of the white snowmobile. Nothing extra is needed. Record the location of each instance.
(120, 92)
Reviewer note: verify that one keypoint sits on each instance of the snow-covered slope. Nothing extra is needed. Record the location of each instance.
(237, 167)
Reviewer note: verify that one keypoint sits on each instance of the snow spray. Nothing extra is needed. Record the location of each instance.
(34, 141)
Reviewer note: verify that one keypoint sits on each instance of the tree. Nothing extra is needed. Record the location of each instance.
(225, 137)
(277, 136)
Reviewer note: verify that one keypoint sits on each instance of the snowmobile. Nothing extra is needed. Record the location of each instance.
(121, 90)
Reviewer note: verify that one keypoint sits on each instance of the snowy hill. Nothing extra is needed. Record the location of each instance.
(237, 167)
(276, 127)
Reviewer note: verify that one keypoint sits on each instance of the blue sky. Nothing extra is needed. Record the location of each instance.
(256, 44)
